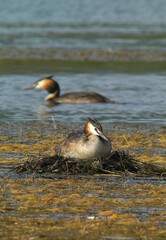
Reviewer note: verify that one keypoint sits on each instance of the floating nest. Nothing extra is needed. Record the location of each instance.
(116, 162)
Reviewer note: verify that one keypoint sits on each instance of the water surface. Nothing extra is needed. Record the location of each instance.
(118, 49)
(141, 98)
(88, 24)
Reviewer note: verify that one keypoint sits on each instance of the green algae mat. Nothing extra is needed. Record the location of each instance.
(50, 205)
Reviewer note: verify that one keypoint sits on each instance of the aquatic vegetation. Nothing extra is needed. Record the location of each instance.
(46, 206)
(130, 151)
(81, 208)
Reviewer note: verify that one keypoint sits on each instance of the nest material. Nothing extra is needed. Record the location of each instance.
(117, 161)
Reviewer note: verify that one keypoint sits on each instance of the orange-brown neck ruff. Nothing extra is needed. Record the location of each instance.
(51, 86)
(87, 129)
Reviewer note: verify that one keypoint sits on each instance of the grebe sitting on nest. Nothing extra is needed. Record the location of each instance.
(89, 144)
(49, 84)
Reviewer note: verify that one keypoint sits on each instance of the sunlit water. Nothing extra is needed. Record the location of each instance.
(91, 24)
(40, 29)
(61, 30)
(141, 98)
(110, 25)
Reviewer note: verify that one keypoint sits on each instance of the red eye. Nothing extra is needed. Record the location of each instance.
(96, 130)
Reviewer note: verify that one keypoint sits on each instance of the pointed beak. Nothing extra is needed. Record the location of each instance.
(30, 87)
(103, 136)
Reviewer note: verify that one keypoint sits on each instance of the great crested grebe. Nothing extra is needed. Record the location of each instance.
(49, 84)
(89, 144)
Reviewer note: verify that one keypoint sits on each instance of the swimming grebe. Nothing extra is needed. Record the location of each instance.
(89, 144)
(49, 84)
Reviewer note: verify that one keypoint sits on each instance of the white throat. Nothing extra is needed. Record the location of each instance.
(93, 130)
(40, 84)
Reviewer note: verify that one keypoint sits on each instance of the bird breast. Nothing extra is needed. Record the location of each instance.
(93, 147)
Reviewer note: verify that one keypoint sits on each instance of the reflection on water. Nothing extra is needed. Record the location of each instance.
(114, 33)
(124, 207)
(141, 98)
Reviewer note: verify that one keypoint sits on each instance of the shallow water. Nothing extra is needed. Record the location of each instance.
(116, 48)
(48, 205)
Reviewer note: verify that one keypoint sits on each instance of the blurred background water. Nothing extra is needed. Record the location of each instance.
(116, 48)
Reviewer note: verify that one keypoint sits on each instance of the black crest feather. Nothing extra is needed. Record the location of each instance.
(95, 123)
